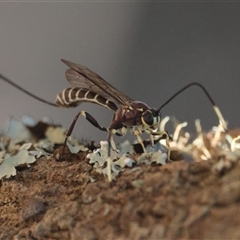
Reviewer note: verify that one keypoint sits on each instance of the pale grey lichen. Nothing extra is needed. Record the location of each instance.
(99, 159)
(120, 161)
(18, 140)
(7, 168)
(74, 146)
(20, 147)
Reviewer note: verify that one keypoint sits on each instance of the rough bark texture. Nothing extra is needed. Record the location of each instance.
(56, 200)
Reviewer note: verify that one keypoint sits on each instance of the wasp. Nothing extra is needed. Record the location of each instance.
(129, 115)
(135, 116)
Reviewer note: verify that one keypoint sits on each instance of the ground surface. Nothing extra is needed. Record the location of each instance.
(56, 200)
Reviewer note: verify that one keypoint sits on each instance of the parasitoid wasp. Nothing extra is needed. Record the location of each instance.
(134, 116)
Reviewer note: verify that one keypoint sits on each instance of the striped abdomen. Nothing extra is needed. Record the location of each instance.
(72, 97)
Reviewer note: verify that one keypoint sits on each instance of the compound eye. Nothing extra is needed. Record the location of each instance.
(147, 118)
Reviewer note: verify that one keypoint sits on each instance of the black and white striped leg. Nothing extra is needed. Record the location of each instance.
(90, 118)
(163, 135)
(112, 145)
(137, 134)
(151, 141)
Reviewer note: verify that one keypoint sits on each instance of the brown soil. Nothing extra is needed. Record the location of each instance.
(56, 200)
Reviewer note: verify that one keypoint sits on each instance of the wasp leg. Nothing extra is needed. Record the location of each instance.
(151, 141)
(111, 144)
(115, 128)
(90, 118)
(163, 134)
(137, 133)
(141, 142)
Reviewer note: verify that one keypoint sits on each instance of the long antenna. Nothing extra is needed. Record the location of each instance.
(215, 107)
(27, 92)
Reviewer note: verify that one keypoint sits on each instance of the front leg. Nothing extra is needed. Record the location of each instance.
(116, 128)
(137, 134)
(137, 131)
(163, 135)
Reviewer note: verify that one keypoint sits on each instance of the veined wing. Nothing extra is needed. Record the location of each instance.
(82, 77)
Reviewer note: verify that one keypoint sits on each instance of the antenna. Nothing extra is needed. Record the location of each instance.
(27, 92)
(215, 107)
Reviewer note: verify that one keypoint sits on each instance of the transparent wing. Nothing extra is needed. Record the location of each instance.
(82, 77)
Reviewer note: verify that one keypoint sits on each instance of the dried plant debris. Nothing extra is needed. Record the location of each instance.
(223, 147)
(206, 145)
(226, 161)
(122, 159)
(28, 130)
(25, 141)
(7, 168)
(74, 146)
(153, 157)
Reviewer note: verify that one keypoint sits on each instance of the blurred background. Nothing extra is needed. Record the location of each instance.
(147, 50)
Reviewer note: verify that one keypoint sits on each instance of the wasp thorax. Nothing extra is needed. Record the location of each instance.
(150, 117)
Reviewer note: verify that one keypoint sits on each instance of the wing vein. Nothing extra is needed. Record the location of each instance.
(82, 77)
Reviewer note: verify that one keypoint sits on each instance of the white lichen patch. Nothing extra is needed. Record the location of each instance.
(36, 139)
(38, 152)
(74, 146)
(157, 147)
(126, 147)
(99, 159)
(17, 130)
(153, 157)
(124, 161)
(120, 161)
(2, 154)
(7, 168)
(99, 156)
(20, 146)
(46, 145)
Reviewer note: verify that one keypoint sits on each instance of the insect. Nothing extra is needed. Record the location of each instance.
(134, 116)
(131, 115)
